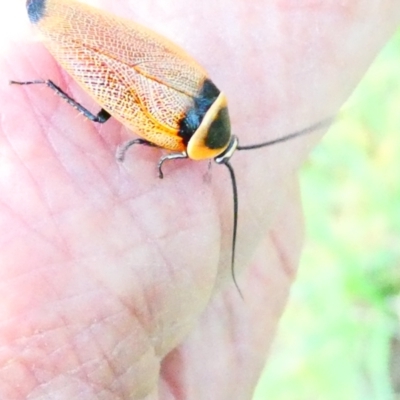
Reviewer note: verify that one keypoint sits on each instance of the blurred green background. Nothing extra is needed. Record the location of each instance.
(340, 335)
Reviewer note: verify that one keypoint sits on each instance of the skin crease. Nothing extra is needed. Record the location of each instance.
(116, 285)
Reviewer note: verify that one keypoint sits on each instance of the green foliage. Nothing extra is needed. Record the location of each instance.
(338, 337)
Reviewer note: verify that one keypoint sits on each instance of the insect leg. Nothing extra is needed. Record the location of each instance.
(172, 156)
(121, 152)
(101, 117)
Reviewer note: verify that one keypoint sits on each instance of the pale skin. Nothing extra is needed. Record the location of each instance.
(115, 284)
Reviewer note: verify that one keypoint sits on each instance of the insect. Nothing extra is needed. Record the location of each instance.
(146, 82)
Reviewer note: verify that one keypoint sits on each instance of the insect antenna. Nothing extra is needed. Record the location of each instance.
(322, 124)
(224, 159)
(235, 222)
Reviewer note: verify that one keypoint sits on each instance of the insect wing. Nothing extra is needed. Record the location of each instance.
(139, 77)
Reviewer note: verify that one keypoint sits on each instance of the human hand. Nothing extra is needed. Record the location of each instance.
(115, 284)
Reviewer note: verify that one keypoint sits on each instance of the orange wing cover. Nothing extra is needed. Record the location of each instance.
(139, 77)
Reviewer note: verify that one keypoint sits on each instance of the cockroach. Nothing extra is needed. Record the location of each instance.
(144, 81)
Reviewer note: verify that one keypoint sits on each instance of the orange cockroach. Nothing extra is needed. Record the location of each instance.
(144, 81)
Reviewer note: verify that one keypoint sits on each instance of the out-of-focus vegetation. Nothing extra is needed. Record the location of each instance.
(340, 336)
